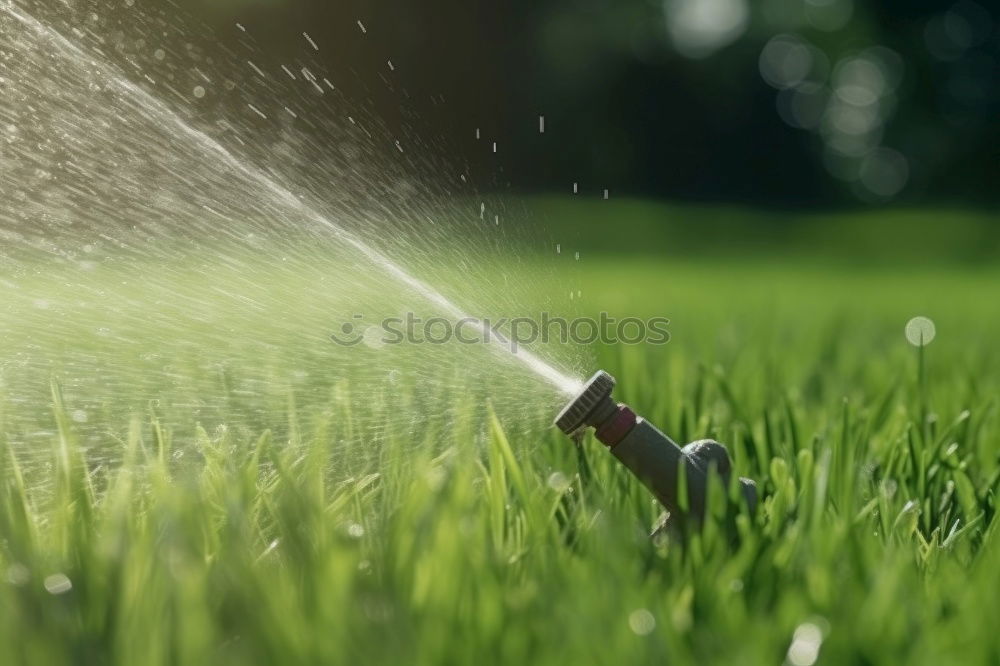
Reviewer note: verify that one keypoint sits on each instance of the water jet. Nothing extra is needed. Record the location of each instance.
(654, 458)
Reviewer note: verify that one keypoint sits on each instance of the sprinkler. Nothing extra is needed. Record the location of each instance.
(653, 457)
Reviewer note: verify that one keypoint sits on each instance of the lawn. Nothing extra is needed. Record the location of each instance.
(210, 488)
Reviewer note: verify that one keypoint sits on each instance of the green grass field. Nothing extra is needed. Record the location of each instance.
(329, 528)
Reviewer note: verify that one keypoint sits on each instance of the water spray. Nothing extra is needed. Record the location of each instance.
(274, 192)
(649, 454)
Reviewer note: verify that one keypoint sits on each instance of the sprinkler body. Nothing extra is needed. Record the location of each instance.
(649, 454)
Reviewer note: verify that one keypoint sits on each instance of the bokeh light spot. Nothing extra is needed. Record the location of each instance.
(698, 28)
(828, 15)
(884, 172)
(785, 61)
(920, 331)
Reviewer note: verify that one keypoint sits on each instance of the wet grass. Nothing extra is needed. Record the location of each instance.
(340, 536)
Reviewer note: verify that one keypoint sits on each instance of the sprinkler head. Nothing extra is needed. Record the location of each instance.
(649, 454)
(591, 403)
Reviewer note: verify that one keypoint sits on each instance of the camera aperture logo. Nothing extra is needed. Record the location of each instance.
(513, 333)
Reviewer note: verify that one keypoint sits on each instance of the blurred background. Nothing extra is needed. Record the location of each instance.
(780, 103)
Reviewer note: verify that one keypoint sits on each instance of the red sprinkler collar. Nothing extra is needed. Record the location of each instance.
(619, 424)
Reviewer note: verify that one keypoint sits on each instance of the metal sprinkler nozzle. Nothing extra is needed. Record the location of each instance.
(653, 457)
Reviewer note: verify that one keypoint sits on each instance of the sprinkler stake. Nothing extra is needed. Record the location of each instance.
(653, 457)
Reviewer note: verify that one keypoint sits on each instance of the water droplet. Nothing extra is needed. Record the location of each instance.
(806, 642)
(559, 482)
(373, 337)
(199, 92)
(641, 622)
(58, 584)
(18, 574)
(435, 477)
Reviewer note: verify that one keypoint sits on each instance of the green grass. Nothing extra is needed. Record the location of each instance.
(332, 528)
(923, 235)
